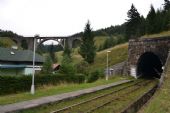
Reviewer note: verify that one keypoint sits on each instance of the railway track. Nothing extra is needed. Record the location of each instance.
(93, 104)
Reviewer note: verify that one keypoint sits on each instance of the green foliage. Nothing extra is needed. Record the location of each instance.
(15, 84)
(52, 53)
(4, 33)
(6, 42)
(156, 21)
(118, 54)
(133, 23)
(47, 66)
(93, 76)
(67, 69)
(67, 51)
(166, 5)
(112, 41)
(87, 48)
(150, 21)
(82, 67)
(45, 48)
(112, 30)
(76, 43)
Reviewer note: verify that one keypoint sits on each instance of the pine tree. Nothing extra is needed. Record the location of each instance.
(47, 66)
(133, 23)
(52, 53)
(166, 14)
(87, 48)
(67, 51)
(166, 5)
(150, 21)
(142, 26)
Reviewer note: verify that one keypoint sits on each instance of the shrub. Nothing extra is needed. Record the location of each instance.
(93, 76)
(82, 67)
(15, 84)
(47, 65)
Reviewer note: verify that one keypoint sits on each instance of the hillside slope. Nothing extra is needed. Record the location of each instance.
(6, 42)
(162, 34)
(118, 54)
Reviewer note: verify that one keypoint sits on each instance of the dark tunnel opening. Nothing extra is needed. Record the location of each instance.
(149, 66)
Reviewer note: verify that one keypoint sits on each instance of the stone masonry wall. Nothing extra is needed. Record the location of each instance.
(159, 46)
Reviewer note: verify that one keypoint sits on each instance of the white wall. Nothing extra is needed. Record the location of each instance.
(29, 69)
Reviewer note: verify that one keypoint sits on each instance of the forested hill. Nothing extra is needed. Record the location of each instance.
(112, 30)
(4, 33)
(156, 21)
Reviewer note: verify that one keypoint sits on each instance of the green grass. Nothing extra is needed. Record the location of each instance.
(54, 90)
(119, 104)
(54, 106)
(118, 54)
(99, 40)
(162, 34)
(160, 103)
(6, 42)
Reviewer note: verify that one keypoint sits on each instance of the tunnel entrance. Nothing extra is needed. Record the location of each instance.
(149, 66)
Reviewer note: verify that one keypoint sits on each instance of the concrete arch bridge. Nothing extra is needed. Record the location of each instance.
(39, 40)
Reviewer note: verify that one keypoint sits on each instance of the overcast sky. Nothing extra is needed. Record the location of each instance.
(66, 17)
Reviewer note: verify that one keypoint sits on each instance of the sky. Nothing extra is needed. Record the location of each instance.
(66, 17)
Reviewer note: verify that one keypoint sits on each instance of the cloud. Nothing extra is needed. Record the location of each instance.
(65, 17)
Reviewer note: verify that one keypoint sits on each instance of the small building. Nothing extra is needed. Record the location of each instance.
(18, 62)
(55, 67)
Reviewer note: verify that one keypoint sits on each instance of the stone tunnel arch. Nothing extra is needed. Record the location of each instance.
(149, 65)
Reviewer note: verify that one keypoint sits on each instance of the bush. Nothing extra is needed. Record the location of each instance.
(93, 76)
(82, 67)
(15, 84)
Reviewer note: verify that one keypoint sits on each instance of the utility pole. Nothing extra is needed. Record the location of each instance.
(33, 71)
(107, 75)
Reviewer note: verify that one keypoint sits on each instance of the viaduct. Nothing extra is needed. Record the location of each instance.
(39, 40)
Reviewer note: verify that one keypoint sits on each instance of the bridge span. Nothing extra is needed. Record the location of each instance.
(39, 40)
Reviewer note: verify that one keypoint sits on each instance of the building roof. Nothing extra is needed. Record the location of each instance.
(55, 66)
(14, 55)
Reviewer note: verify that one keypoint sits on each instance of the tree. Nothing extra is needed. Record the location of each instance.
(133, 23)
(166, 14)
(47, 66)
(67, 50)
(150, 21)
(87, 48)
(166, 5)
(52, 53)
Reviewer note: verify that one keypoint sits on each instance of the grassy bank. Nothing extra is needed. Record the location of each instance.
(160, 103)
(54, 90)
(162, 34)
(118, 54)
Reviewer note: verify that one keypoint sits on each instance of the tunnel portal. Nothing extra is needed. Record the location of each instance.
(149, 66)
